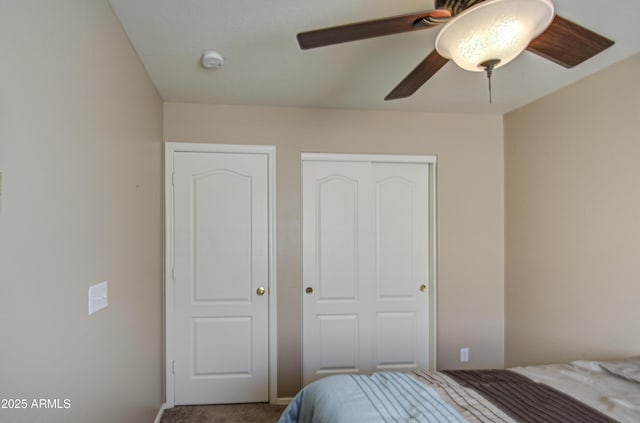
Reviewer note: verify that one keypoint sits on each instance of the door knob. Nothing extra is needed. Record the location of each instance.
(260, 291)
(309, 290)
(423, 288)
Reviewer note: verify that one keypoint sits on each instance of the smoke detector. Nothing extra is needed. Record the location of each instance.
(212, 59)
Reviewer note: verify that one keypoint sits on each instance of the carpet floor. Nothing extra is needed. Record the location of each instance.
(235, 413)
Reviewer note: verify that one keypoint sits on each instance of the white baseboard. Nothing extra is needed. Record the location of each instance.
(281, 401)
(160, 413)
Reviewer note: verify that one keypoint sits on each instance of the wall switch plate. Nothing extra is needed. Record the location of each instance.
(97, 297)
(464, 355)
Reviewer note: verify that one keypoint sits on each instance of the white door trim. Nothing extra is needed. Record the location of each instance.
(170, 149)
(377, 158)
(433, 235)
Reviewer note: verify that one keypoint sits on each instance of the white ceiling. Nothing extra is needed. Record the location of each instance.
(265, 66)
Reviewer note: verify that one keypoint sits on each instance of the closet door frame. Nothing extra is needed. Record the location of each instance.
(169, 150)
(430, 161)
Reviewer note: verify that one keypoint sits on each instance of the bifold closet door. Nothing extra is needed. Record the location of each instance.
(365, 260)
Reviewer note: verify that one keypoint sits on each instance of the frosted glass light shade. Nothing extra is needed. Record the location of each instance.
(494, 29)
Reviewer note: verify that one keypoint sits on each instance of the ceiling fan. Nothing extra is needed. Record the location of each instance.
(478, 35)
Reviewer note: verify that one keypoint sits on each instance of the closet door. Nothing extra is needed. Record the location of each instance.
(336, 268)
(400, 266)
(365, 257)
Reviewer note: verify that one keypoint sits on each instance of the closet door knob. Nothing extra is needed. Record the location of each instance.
(260, 291)
(309, 290)
(423, 288)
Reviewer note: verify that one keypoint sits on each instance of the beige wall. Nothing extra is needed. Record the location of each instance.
(470, 208)
(573, 221)
(81, 163)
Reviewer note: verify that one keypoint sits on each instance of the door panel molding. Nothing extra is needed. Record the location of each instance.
(169, 237)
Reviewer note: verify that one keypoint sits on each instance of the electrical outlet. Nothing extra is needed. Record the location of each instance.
(97, 297)
(464, 355)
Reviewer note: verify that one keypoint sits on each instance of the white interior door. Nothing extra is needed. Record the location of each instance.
(336, 258)
(221, 278)
(401, 266)
(365, 258)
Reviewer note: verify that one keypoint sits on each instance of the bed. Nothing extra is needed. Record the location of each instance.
(580, 391)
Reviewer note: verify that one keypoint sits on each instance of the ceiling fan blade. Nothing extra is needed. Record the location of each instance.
(568, 44)
(421, 74)
(367, 29)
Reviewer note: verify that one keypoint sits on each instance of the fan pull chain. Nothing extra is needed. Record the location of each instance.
(489, 78)
(488, 67)
(489, 72)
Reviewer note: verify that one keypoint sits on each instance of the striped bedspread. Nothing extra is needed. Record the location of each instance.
(397, 395)
(488, 396)
(387, 397)
(527, 401)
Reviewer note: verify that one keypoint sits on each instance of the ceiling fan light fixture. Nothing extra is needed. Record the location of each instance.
(493, 30)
